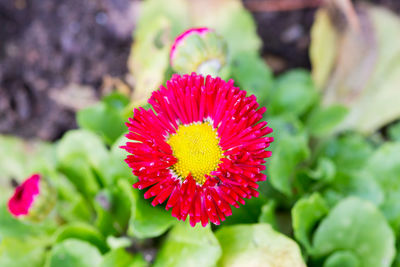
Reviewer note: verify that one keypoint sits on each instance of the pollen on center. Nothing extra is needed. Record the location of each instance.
(197, 150)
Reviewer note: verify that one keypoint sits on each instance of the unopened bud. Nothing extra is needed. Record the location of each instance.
(199, 50)
(33, 200)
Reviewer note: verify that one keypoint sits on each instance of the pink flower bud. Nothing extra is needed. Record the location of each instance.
(32, 200)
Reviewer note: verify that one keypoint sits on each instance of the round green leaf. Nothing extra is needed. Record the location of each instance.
(305, 214)
(188, 246)
(257, 245)
(342, 259)
(121, 258)
(81, 231)
(356, 225)
(74, 253)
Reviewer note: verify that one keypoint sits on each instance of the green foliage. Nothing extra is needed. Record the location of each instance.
(358, 226)
(267, 214)
(81, 231)
(252, 74)
(11, 227)
(394, 132)
(306, 213)
(22, 252)
(73, 253)
(80, 154)
(146, 221)
(293, 92)
(121, 258)
(105, 118)
(342, 259)
(294, 150)
(189, 247)
(257, 245)
(323, 120)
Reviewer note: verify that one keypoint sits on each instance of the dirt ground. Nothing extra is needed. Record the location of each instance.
(48, 48)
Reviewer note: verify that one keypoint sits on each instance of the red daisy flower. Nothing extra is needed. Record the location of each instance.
(203, 147)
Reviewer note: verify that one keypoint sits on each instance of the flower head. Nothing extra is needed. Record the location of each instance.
(200, 50)
(32, 200)
(203, 147)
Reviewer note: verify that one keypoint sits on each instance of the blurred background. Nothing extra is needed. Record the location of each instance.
(60, 56)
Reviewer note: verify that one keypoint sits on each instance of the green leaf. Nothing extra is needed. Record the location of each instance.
(235, 24)
(360, 184)
(384, 165)
(116, 101)
(257, 245)
(396, 262)
(286, 125)
(290, 147)
(149, 221)
(286, 156)
(102, 120)
(80, 155)
(16, 252)
(391, 209)
(121, 258)
(305, 215)
(74, 253)
(113, 211)
(394, 132)
(293, 92)
(356, 225)
(325, 170)
(322, 121)
(81, 231)
(342, 259)
(11, 227)
(115, 167)
(248, 214)
(252, 74)
(71, 205)
(268, 214)
(349, 152)
(146, 221)
(188, 246)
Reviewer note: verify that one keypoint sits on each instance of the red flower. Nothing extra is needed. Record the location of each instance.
(22, 200)
(203, 147)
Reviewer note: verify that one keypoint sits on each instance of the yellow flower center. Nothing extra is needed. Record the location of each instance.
(197, 150)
